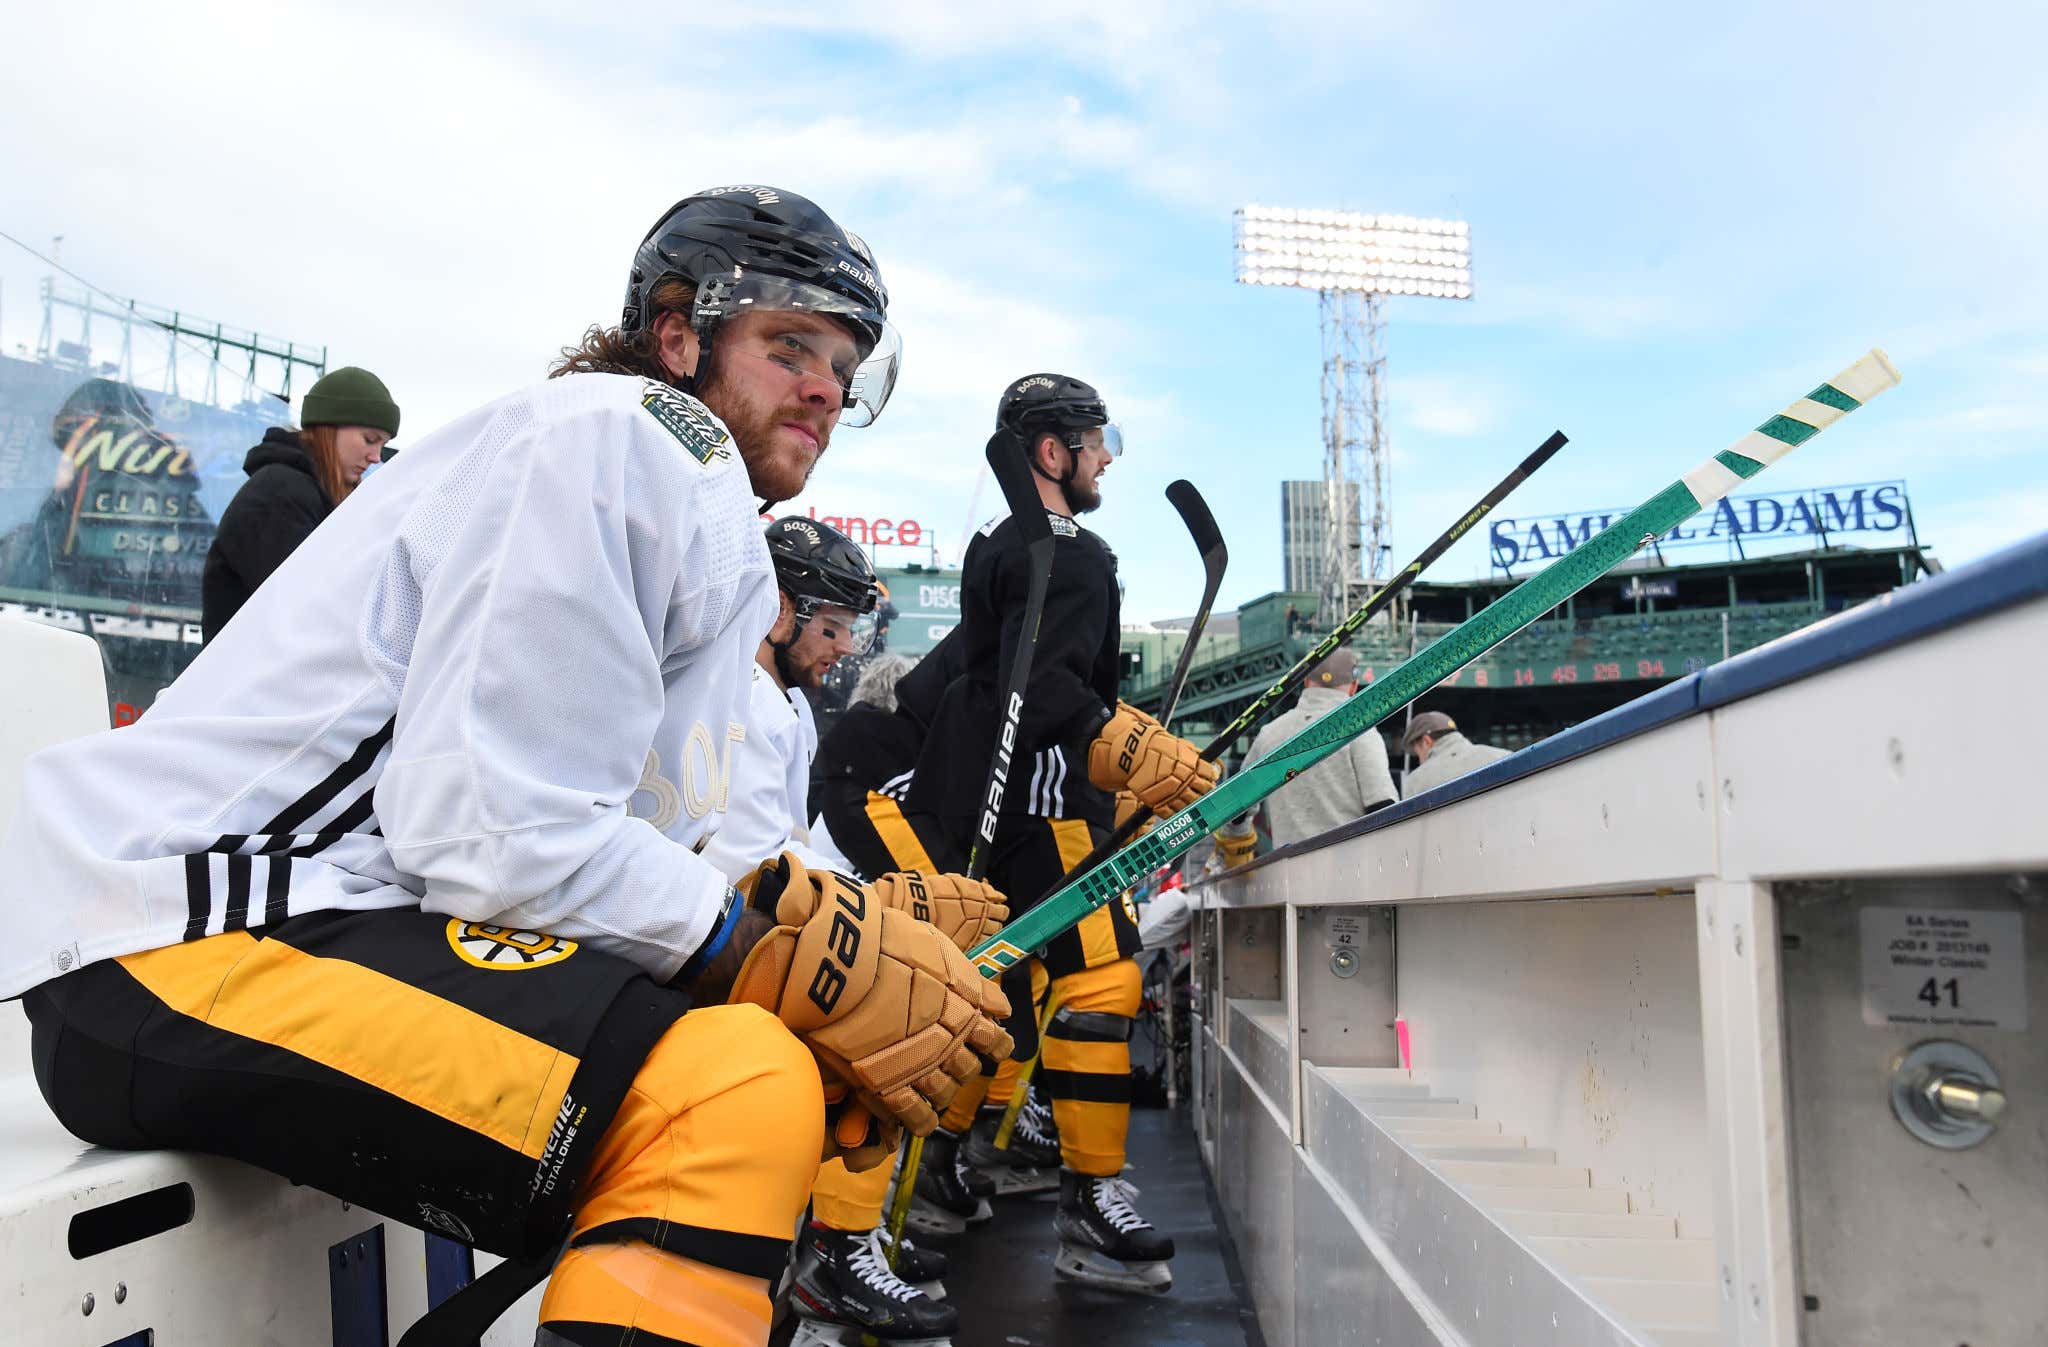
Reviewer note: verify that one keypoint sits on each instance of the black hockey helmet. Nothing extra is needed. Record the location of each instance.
(1057, 404)
(752, 247)
(816, 564)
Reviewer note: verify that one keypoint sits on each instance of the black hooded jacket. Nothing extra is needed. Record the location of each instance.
(275, 510)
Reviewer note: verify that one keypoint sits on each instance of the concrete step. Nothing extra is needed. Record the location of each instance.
(1605, 1201)
(1489, 1146)
(1499, 1155)
(1395, 1074)
(1432, 1127)
(1504, 1174)
(1600, 1225)
(1417, 1108)
(1689, 1337)
(1652, 1306)
(1376, 1082)
(1679, 1260)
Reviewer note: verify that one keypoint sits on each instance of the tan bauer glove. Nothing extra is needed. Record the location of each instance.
(1134, 752)
(886, 1002)
(969, 911)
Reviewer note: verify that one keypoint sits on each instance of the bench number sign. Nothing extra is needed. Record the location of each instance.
(1960, 968)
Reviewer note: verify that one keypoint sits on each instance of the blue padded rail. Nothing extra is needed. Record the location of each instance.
(2012, 576)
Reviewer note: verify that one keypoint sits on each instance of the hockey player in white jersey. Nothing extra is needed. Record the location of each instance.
(394, 891)
(844, 1286)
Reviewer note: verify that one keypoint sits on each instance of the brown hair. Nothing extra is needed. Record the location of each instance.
(607, 350)
(326, 455)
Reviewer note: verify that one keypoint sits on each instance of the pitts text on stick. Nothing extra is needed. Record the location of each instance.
(1691, 493)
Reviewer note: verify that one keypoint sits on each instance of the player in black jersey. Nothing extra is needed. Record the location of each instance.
(1077, 747)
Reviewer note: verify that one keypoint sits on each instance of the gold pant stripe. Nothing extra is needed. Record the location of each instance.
(897, 835)
(1097, 930)
(411, 1044)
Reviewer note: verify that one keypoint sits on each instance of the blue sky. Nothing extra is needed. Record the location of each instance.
(1682, 218)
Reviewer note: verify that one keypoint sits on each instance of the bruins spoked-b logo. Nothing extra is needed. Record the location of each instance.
(500, 947)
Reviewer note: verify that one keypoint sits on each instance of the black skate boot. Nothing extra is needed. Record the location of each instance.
(923, 1268)
(1104, 1241)
(942, 1203)
(1029, 1165)
(844, 1289)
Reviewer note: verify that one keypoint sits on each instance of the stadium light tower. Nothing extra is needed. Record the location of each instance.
(1350, 260)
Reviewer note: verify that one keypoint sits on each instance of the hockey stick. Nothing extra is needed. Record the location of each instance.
(1337, 636)
(1194, 512)
(1007, 459)
(1502, 618)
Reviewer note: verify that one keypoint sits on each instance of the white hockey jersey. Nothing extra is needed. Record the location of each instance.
(503, 681)
(771, 782)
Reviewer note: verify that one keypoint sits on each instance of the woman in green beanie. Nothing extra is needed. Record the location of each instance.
(296, 478)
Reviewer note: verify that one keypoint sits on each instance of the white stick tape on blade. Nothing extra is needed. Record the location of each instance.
(1710, 481)
(1868, 377)
(1862, 381)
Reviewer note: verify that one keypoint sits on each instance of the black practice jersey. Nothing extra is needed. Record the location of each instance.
(866, 760)
(1071, 693)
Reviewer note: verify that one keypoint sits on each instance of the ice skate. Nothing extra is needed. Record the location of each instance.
(1031, 1164)
(844, 1290)
(1104, 1242)
(923, 1268)
(943, 1201)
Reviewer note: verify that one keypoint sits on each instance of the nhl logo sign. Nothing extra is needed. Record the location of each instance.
(503, 949)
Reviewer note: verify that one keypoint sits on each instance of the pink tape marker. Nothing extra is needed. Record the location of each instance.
(1401, 1037)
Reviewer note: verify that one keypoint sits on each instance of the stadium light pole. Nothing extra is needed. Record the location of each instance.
(1350, 260)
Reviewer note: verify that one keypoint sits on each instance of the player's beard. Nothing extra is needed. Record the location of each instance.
(1081, 496)
(776, 470)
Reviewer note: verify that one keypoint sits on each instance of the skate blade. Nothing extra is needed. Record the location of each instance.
(1090, 1268)
(927, 1219)
(817, 1333)
(1012, 1182)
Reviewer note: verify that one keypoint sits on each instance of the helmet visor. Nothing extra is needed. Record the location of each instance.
(1106, 437)
(834, 622)
(865, 380)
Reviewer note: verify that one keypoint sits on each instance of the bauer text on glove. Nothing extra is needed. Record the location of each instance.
(886, 1002)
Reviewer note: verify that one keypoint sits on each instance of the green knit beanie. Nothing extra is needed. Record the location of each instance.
(350, 397)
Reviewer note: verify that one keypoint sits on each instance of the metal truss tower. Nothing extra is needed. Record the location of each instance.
(1357, 467)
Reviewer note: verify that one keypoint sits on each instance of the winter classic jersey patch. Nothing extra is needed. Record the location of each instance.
(501, 948)
(682, 416)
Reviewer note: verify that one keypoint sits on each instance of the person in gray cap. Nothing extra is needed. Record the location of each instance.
(1441, 752)
(1346, 785)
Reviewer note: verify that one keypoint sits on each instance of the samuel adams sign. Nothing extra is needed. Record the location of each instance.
(1810, 516)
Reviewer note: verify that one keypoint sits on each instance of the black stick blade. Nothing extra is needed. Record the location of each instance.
(1012, 471)
(1194, 512)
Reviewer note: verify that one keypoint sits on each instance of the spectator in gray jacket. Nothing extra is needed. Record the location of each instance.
(1349, 783)
(1441, 752)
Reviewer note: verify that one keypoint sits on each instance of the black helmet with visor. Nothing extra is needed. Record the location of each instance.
(1060, 405)
(816, 565)
(752, 248)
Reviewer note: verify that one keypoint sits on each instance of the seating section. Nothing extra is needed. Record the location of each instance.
(1625, 1258)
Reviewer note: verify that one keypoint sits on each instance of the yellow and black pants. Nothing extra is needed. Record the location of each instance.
(883, 843)
(501, 1087)
(1093, 980)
